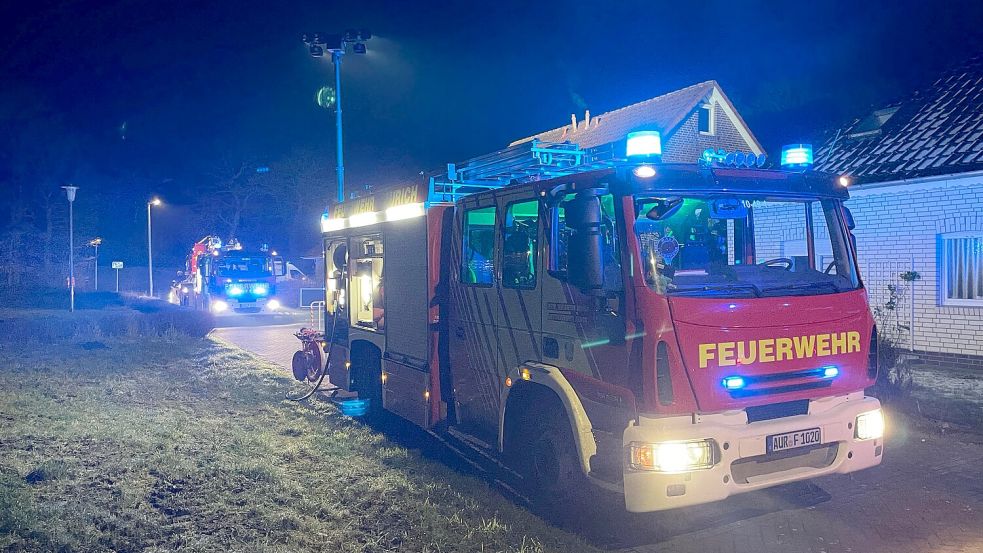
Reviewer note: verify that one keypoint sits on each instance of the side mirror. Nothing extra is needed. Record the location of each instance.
(850, 223)
(585, 265)
(279, 267)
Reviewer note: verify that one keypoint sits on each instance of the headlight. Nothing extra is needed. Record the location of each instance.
(261, 289)
(184, 289)
(671, 456)
(234, 290)
(870, 425)
(273, 305)
(218, 306)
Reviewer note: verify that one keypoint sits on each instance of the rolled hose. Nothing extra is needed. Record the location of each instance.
(327, 360)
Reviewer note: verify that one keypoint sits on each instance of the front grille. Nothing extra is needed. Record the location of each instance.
(757, 469)
(778, 383)
(777, 410)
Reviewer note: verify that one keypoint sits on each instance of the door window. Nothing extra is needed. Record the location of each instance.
(520, 244)
(478, 248)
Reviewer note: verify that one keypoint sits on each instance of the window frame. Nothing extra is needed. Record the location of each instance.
(943, 269)
(711, 127)
(495, 250)
(539, 229)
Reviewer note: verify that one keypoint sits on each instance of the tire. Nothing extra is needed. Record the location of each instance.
(544, 454)
(367, 379)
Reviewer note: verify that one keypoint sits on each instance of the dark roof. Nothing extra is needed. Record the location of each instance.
(936, 131)
(664, 113)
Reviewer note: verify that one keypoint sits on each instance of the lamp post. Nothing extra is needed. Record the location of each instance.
(70, 191)
(150, 246)
(95, 243)
(336, 45)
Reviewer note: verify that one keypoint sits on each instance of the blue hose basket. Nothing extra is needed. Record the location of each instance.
(354, 407)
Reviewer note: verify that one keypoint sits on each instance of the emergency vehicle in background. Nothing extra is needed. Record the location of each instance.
(597, 315)
(224, 277)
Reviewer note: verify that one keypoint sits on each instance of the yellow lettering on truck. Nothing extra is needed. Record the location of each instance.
(769, 350)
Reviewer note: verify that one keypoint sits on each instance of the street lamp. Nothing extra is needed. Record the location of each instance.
(150, 246)
(336, 45)
(95, 243)
(70, 191)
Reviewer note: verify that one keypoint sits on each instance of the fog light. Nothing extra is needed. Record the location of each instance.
(219, 306)
(870, 425)
(671, 456)
(273, 305)
(644, 171)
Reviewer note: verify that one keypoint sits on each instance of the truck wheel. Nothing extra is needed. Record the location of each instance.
(545, 455)
(367, 377)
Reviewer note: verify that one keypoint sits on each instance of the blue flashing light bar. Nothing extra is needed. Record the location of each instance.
(830, 372)
(643, 143)
(733, 382)
(797, 155)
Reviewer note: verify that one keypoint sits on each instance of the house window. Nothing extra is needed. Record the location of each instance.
(705, 119)
(478, 249)
(962, 268)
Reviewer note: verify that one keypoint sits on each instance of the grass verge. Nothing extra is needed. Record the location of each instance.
(186, 443)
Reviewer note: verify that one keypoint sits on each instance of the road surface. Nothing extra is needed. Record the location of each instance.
(926, 497)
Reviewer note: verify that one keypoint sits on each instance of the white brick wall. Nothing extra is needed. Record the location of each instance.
(896, 223)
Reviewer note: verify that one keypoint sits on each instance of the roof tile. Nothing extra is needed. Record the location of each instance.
(937, 130)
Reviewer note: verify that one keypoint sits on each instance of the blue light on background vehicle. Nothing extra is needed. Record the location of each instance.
(261, 289)
(830, 372)
(643, 143)
(797, 155)
(733, 382)
(234, 290)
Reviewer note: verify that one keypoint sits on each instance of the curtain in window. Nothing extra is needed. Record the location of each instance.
(964, 268)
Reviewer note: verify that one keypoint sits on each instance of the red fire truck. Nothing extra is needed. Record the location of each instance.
(223, 277)
(678, 333)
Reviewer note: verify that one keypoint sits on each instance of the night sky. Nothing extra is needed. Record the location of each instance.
(162, 90)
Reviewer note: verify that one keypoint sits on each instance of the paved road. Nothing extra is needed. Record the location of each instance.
(270, 336)
(927, 496)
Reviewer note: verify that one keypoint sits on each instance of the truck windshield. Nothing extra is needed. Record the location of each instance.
(253, 266)
(743, 247)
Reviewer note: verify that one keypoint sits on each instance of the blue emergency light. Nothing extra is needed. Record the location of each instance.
(643, 144)
(797, 155)
(234, 290)
(830, 372)
(261, 289)
(733, 382)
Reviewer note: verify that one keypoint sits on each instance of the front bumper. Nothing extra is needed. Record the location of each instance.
(742, 461)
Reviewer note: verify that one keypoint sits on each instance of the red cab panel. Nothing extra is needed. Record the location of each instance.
(744, 352)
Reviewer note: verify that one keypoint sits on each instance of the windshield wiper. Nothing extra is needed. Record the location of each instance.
(803, 286)
(714, 287)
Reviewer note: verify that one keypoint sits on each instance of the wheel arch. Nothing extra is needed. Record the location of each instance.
(539, 378)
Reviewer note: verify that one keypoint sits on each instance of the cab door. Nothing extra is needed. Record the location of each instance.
(475, 352)
(519, 289)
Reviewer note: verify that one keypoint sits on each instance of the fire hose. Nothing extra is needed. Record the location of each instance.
(327, 359)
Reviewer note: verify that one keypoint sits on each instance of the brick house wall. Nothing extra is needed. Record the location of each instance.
(898, 222)
(899, 228)
(687, 144)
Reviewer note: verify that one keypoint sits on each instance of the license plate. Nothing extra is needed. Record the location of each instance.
(792, 440)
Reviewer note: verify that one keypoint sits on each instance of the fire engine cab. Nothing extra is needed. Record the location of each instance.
(679, 333)
(224, 277)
